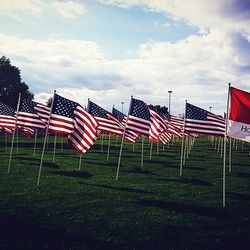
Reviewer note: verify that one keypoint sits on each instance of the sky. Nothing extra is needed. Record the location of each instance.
(108, 50)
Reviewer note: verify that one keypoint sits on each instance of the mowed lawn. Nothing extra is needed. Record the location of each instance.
(149, 207)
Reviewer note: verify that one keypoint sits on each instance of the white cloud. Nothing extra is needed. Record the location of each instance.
(224, 14)
(197, 68)
(66, 9)
(13, 8)
(69, 9)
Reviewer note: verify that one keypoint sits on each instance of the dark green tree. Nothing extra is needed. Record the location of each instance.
(49, 102)
(11, 83)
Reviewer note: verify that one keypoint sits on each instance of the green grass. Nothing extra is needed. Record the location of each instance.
(147, 208)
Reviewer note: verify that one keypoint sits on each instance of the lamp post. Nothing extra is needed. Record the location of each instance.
(122, 106)
(169, 100)
(210, 108)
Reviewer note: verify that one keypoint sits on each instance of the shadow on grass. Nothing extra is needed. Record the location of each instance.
(75, 174)
(186, 208)
(193, 181)
(124, 189)
(37, 161)
(104, 163)
(19, 234)
(243, 175)
(138, 171)
(194, 168)
(241, 164)
(239, 196)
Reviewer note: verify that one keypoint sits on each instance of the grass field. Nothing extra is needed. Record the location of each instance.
(147, 208)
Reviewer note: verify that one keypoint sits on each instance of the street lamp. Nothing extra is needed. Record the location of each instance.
(210, 109)
(122, 106)
(169, 100)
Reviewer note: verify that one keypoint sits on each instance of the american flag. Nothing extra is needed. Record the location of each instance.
(121, 119)
(43, 112)
(7, 117)
(203, 122)
(158, 125)
(175, 126)
(138, 117)
(119, 116)
(27, 116)
(105, 124)
(165, 137)
(70, 118)
(85, 130)
(62, 116)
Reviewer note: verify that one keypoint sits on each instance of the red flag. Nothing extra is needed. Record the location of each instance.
(239, 114)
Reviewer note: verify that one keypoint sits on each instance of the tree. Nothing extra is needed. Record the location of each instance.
(11, 84)
(49, 102)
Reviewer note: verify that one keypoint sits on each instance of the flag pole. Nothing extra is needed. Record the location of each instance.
(13, 135)
(142, 144)
(61, 143)
(108, 148)
(44, 143)
(17, 141)
(34, 151)
(230, 155)
(54, 152)
(224, 160)
(102, 142)
(151, 148)
(120, 154)
(80, 162)
(6, 141)
(182, 142)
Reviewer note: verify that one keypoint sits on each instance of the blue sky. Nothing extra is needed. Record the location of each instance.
(107, 50)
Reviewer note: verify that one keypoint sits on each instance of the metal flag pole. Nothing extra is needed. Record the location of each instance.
(54, 152)
(61, 143)
(44, 143)
(230, 155)
(102, 135)
(108, 148)
(34, 151)
(225, 147)
(120, 154)
(142, 144)
(182, 142)
(6, 140)
(13, 135)
(17, 143)
(80, 162)
(151, 148)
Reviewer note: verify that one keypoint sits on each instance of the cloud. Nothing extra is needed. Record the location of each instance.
(197, 68)
(66, 9)
(69, 9)
(205, 14)
(13, 8)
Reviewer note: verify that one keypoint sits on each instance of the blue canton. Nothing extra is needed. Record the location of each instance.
(63, 106)
(6, 110)
(193, 112)
(139, 109)
(96, 110)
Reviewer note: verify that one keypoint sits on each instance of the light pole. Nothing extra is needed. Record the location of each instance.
(169, 100)
(210, 108)
(122, 106)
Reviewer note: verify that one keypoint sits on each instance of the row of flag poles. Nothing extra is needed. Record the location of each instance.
(82, 126)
